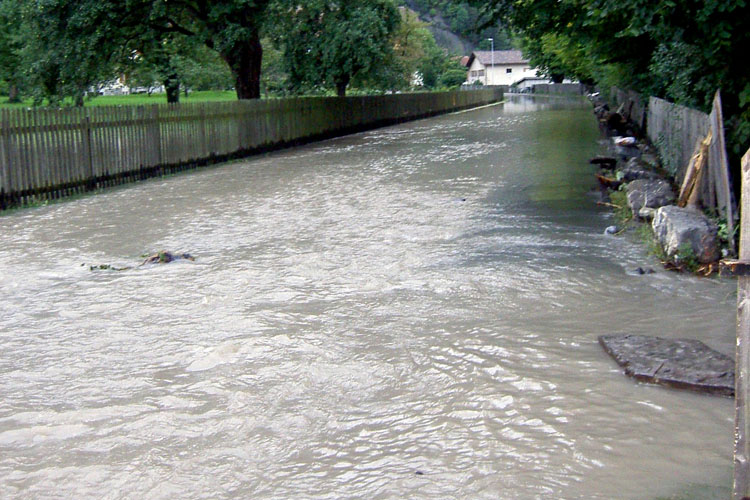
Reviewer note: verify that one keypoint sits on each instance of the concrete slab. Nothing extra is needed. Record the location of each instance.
(680, 363)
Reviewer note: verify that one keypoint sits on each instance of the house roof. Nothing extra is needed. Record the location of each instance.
(465, 61)
(487, 57)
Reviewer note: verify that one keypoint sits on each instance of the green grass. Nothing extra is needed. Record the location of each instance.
(646, 234)
(619, 201)
(137, 99)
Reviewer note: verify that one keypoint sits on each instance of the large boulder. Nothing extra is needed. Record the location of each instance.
(634, 169)
(680, 229)
(651, 193)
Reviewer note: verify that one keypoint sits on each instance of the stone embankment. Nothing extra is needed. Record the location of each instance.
(686, 238)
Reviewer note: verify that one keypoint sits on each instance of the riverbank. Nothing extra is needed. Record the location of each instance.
(644, 198)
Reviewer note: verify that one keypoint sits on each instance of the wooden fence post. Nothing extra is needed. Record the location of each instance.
(6, 186)
(87, 151)
(721, 167)
(742, 366)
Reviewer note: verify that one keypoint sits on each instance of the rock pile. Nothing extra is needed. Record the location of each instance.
(684, 234)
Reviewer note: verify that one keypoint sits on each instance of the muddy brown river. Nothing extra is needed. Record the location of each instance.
(410, 312)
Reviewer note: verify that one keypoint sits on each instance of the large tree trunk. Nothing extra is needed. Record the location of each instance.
(172, 87)
(13, 93)
(244, 59)
(80, 96)
(341, 84)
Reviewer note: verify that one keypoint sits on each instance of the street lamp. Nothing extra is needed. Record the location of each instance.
(492, 57)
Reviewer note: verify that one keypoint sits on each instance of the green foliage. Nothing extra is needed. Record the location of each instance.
(330, 43)
(412, 45)
(11, 42)
(619, 201)
(453, 78)
(70, 45)
(685, 258)
(273, 74)
(681, 50)
(646, 234)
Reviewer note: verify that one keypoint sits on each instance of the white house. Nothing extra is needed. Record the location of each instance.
(501, 67)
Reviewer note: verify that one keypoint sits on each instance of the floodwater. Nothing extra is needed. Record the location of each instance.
(410, 312)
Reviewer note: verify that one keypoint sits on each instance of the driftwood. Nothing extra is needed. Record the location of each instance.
(689, 192)
(164, 257)
(608, 182)
(161, 257)
(604, 161)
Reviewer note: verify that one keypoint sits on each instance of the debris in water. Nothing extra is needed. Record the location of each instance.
(164, 257)
(608, 182)
(604, 161)
(161, 257)
(624, 141)
(107, 267)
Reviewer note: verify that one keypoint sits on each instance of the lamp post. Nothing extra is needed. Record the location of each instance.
(492, 57)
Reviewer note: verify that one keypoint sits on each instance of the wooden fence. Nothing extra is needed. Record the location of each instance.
(676, 131)
(630, 106)
(50, 153)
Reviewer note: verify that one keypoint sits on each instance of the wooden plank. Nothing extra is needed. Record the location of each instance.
(54, 158)
(44, 153)
(689, 192)
(742, 380)
(720, 167)
(35, 170)
(23, 149)
(70, 135)
(17, 154)
(56, 150)
(6, 144)
(87, 160)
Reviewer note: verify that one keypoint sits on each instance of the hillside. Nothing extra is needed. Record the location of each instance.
(454, 26)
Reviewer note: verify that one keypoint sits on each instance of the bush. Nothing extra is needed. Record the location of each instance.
(453, 78)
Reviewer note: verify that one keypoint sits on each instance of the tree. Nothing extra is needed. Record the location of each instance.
(329, 43)
(416, 52)
(233, 29)
(10, 51)
(63, 54)
(76, 42)
(273, 73)
(682, 50)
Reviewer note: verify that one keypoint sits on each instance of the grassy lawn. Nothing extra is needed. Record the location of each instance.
(139, 99)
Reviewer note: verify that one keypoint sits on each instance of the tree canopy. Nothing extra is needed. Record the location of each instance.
(330, 42)
(681, 50)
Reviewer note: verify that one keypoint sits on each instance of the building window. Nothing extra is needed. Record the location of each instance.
(473, 73)
(509, 70)
(481, 72)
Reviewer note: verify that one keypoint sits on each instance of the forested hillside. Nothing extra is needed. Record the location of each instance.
(455, 26)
